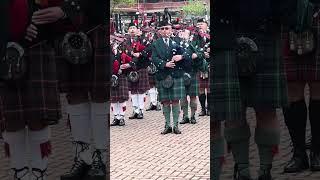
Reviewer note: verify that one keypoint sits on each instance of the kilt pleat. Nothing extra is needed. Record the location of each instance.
(176, 92)
(121, 92)
(266, 89)
(35, 99)
(91, 77)
(204, 83)
(193, 88)
(142, 86)
(152, 81)
(302, 68)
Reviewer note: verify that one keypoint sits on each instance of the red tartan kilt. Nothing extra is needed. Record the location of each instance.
(152, 81)
(142, 85)
(121, 92)
(304, 68)
(91, 77)
(36, 99)
(203, 83)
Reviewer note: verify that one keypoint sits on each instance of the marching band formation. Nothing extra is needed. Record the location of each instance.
(168, 61)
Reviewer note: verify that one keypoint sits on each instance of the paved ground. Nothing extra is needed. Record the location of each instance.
(139, 151)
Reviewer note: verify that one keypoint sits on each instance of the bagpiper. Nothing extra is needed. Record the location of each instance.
(29, 96)
(248, 72)
(301, 64)
(198, 63)
(138, 76)
(169, 58)
(203, 38)
(82, 54)
(119, 92)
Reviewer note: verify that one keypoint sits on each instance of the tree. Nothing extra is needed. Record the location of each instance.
(195, 8)
(117, 3)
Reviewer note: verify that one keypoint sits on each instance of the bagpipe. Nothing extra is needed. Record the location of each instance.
(119, 58)
(201, 48)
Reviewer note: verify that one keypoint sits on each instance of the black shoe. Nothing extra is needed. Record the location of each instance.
(115, 122)
(193, 120)
(133, 116)
(185, 120)
(122, 122)
(266, 175)
(98, 168)
(203, 112)
(38, 174)
(20, 173)
(176, 130)
(151, 107)
(78, 171)
(140, 115)
(297, 163)
(167, 130)
(79, 168)
(315, 161)
(237, 175)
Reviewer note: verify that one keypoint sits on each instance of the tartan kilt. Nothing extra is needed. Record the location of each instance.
(91, 77)
(152, 81)
(193, 88)
(121, 92)
(302, 68)
(266, 89)
(204, 83)
(176, 92)
(35, 99)
(142, 86)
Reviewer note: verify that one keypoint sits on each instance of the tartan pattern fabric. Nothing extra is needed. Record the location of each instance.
(304, 68)
(152, 81)
(121, 92)
(36, 99)
(92, 77)
(266, 89)
(193, 88)
(176, 92)
(142, 85)
(204, 83)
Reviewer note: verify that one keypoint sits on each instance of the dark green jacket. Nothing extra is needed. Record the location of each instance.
(161, 54)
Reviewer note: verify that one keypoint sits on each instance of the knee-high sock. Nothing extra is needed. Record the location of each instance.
(166, 112)
(40, 148)
(153, 96)
(193, 106)
(135, 102)
(268, 141)
(80, 127)
(175, 114)
(141, 101)
(217, 156)
(184, 106)
(202, 100)
(115, 109)
(238, 138)
(314, 114)
(99, 124)
(15, 143)
(122, 108)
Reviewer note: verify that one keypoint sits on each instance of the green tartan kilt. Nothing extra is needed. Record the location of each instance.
(193, 88)
(267, 89)
(176, 92)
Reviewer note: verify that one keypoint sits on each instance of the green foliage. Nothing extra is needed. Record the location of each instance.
(195, 8)
(116, 3)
